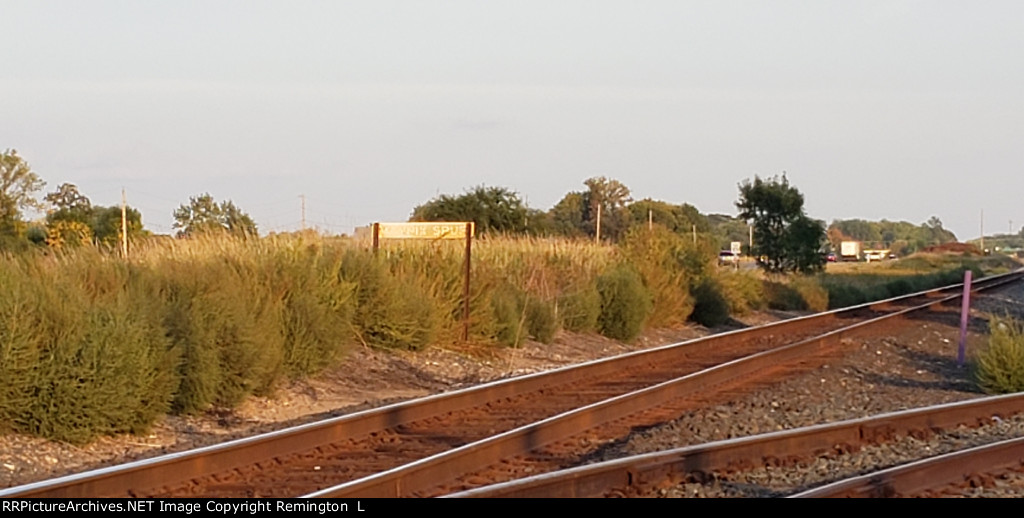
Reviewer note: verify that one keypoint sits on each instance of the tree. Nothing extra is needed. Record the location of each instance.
(566, 217)
(18, 186)
(576, 214)
(785, 239)
(106, 224)
(491, 209)
(203, 215)
(678, 218)
(612, 196)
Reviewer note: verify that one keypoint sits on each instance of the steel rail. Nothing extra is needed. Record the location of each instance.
(431, 472)
(136, 477)
(654, 469)
(925, 474)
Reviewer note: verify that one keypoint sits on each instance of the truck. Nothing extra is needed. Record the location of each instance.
(849, 250)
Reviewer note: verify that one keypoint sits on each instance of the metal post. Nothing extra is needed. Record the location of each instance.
(965, 313)
(465, 286)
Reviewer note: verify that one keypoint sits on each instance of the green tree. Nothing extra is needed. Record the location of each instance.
(106, 224)
(678, 218)
(577, 212)
(785, 239)
(491, 209)
(67, 204)
(612, 197)
(204, 215)
(566, 217)
(18, 187)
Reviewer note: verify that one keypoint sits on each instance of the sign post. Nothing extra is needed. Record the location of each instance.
(435, 231)
(965, 313)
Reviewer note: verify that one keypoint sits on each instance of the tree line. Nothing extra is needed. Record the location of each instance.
(771, 210)
(73, 220)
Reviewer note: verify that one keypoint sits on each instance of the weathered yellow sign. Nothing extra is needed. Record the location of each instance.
(423, 230)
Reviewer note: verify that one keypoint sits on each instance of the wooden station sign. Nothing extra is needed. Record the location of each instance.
(424, 230)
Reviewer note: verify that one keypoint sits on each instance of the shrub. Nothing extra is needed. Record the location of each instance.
(508, 317)
(711, 307)
(815, 297)
(80, 358)
(800, 293)
(1000, 366)
(665, 263)
(845, 295)
(541, 322)
(625, 303)
(743, 291)
(782, 296)
(580, 310)
(389, 313)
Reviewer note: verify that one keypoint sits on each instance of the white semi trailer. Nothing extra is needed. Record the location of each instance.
(849, 250)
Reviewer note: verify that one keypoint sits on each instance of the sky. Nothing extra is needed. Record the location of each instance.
(889, 109)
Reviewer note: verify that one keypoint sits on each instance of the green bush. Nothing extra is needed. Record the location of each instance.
(580, 310)
(541, 322)
(800, 294)
(711, 308)
(79, 359)
(845, 295)
(1000, 366)
(519, 315)
(666, 263)
(625, 303)
(743, 291)
(815, 297)
(389, 313)
(508, 317)
(227, 327)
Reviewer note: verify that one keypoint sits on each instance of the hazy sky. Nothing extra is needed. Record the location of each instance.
(890, 109)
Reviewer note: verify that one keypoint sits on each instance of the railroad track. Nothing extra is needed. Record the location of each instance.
(780, 463)
(508, 417)
(951, 474)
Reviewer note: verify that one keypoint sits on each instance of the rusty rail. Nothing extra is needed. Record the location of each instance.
(651, 469)
(935, 472)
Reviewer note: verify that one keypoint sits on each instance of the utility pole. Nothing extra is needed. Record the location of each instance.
(982, 231)
(303, 196)
(124, 224)
(597, 236)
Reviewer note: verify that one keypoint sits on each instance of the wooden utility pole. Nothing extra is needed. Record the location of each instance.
(982, 231)
(124, 224)
(597, 235)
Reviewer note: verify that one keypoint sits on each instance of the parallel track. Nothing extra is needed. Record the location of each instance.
(641, 474)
